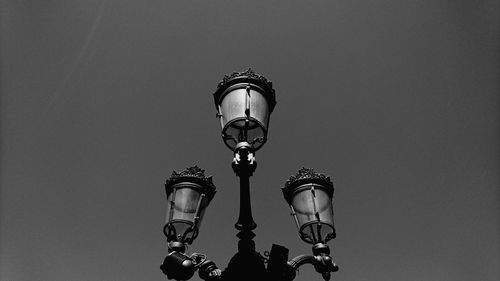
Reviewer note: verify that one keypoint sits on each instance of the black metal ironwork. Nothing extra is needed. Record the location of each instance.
(244, 165)
(247, 263)
(195, 174)
(306, 175)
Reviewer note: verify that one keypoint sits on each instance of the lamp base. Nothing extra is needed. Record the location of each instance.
(245, 265)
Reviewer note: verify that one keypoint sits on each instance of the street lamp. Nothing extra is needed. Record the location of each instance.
(188, 194)
(309, 195)
(244, 103)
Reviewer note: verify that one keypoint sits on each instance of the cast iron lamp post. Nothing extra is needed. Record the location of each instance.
(244, 102)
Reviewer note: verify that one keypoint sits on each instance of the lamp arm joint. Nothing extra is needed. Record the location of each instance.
(322, 263)
(207, 270)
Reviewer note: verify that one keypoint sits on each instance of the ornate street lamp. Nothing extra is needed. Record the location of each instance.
(244, 102)
(188, 194)
(309, 195)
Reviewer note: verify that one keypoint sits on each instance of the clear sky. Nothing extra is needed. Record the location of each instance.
(397, 100)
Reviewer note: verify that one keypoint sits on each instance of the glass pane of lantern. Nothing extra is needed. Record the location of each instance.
(186, 201)
(314, 213)
(182, 214)
(233, 118)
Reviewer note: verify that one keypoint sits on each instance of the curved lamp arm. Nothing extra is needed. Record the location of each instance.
(208, 271)
(321, 261)
(322, 264)
(296, 262)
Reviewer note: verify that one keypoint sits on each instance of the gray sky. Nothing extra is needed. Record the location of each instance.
(396, 100)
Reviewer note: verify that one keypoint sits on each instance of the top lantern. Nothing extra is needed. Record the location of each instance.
(244, 102)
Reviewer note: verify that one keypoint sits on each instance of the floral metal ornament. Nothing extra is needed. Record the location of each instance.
(249, 73)
(248, 76)
(305, 175)
(195, 174)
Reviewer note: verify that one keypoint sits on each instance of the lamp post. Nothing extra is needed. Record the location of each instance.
(244, 103)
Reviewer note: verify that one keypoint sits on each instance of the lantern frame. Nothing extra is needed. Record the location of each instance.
(249, 82)
(306, 179)
(194, 179)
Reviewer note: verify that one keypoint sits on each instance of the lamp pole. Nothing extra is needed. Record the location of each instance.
(244, 165)
(244, 102)
(247, 260)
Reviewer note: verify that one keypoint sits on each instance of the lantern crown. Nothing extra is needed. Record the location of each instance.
(248, 76)
(192, 174)
(303, 176)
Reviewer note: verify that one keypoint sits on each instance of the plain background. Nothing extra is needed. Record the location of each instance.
(397, 100)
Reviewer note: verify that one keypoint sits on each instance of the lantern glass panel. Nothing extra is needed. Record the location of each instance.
(187, 202)
(314, 213)
(233, 116)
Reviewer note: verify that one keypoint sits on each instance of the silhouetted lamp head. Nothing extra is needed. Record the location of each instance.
(310, 196)
(244, 102)
(188, 194)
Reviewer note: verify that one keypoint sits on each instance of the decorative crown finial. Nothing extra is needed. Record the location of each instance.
(308, 173)
(193, 171)
(304, 176)
(250, 77)
(194, 174)
(249, 73)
